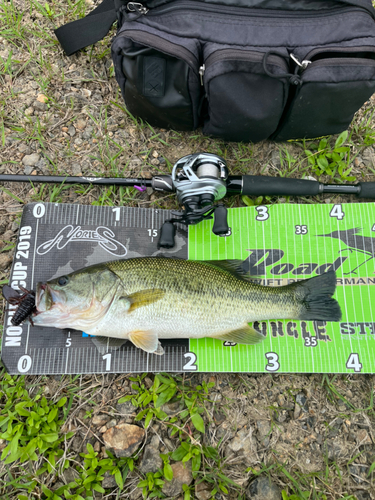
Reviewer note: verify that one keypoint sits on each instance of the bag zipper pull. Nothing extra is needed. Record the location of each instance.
(202, 69)
(137, 7)
(303, 65)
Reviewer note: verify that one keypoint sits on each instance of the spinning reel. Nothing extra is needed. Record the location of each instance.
(199, 180)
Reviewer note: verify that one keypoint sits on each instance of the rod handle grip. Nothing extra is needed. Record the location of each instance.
(367, 190)
(257, 185)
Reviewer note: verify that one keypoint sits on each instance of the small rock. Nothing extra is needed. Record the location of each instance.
(8, 235)
(263, 489)
(172, 408)
(87, 133)
(126, 408)
(109, 481)
(76, 169)
(30, 160)
(155, 442)
(71, 131)
(42, 98)
(181, 475)
(86, 92)
(151, 460)
(363, 437)
(5, 261)
(124, 439)
(24, 148)
(203, 491)
(111, 423)
(77, 444)
(135, 494)
(264, 427)
(100, 420)
(28, 170)
(42, 106)
(29, 111)
(302, 402)
(80, 124)
(70, 475)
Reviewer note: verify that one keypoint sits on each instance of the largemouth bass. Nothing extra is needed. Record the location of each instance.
(144, 299)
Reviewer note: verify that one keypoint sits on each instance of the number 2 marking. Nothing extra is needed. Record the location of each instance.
(273, 362)
(192, 358)
(262, 213)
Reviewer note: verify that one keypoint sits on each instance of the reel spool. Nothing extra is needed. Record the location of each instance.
(199, 181)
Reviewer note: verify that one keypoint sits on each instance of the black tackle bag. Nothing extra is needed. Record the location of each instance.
(245, 70)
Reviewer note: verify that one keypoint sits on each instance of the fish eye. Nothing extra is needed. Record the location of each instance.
(63, 280)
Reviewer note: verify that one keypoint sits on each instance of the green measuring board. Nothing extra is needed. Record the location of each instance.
(277, 245)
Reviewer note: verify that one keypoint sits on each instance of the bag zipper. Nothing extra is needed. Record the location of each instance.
(325, 60)
(159, 43)
(192, 6)
(240, 55)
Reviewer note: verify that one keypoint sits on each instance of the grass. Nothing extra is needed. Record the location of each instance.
(41, 416)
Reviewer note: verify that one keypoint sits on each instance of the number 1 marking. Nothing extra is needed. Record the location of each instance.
(116, 211)
(107, 358)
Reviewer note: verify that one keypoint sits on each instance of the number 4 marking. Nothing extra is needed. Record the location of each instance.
(353, 362)
(337, 212)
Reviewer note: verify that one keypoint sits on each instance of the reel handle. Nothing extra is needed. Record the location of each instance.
(220, 226)
(167, 234)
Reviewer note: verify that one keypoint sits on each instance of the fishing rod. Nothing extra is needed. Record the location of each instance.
(199, 180)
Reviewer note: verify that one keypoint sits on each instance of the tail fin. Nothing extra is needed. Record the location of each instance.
(315, 296)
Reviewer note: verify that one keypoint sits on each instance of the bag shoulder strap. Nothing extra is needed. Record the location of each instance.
(90, 29)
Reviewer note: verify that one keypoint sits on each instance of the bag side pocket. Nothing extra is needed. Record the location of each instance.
(334, 85)
(243, 102)
(158, 77)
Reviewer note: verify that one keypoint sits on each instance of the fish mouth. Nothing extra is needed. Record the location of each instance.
(46, 298)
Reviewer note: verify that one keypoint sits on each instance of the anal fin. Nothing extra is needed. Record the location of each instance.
(243, 335)
(146, 340)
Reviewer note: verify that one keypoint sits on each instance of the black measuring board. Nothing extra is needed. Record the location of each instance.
(56, 239)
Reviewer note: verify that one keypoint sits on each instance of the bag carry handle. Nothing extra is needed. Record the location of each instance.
(90, 29)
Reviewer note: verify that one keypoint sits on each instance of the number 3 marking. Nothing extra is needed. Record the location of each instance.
(262, 213)
(273, 364)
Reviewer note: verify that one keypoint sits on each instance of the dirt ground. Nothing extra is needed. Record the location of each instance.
(64, 115)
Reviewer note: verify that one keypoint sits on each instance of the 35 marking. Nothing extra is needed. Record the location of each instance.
(301, 229)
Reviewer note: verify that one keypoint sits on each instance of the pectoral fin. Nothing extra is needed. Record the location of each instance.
(243, 335)
(144, 298)
(148, 341)
(103, 343)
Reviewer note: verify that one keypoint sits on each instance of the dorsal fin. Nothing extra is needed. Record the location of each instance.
(233, 266)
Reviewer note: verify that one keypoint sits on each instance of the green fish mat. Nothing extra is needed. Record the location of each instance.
(277, 245)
